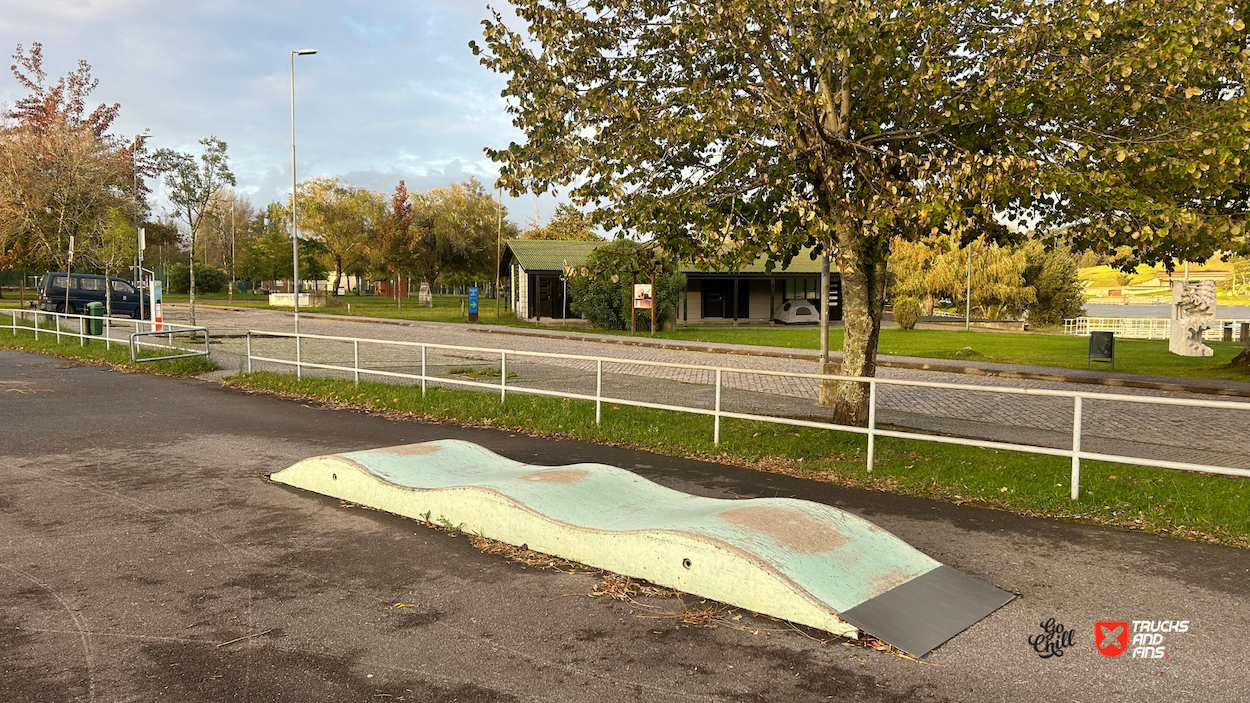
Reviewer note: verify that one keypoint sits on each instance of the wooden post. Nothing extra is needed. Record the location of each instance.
(655, 306)
(633, 311)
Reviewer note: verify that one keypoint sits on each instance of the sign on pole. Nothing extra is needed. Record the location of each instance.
(473, 304)
(156, 305)
(642, 296)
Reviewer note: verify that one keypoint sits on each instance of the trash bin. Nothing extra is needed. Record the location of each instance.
(96, 324)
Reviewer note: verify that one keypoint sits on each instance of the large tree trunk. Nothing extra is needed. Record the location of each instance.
(863, 266)
(338, 274)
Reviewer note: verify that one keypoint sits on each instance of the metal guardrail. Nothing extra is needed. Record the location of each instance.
(1142, 327)
(1075, 453)
(169, 334)
(36, 317)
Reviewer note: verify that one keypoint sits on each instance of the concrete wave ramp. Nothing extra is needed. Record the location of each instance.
(793, 559)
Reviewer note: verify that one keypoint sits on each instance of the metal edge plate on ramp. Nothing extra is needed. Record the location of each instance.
(797, 560)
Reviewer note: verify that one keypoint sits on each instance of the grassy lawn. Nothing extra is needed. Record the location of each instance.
(1192, 506)
(95, 351)
(446, 308)
(1132, 355)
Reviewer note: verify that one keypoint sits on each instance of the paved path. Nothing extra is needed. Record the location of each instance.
(143, 556)
(1212, 436)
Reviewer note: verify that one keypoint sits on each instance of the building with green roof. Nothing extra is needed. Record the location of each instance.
(535, 269)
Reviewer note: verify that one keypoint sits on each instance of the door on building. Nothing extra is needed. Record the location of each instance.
(549, 297)
(719, 299)
(545, 305)
(713, 299)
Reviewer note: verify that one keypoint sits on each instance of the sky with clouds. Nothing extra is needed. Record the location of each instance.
(394, 91)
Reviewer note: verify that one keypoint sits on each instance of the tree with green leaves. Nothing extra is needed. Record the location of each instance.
(460, 234)
(567, 225)
(727, 129)
(342, 217)
(193, 184)
(112, 249)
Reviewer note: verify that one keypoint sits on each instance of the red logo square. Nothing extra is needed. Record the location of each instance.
(1111, 637)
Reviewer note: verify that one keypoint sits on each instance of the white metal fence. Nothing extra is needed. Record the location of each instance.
(1075, 453)
(77, 326)
(1145, 327)
(872, 431)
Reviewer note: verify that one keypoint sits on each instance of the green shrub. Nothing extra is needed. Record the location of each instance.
(207, 279)
(907, 312)
(605, 303)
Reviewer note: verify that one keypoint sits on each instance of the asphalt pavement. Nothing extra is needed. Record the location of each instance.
(144, 555)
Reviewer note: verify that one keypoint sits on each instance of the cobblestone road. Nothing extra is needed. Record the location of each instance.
(1216, 436)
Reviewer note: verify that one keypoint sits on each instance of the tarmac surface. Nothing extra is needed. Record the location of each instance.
(144, 555)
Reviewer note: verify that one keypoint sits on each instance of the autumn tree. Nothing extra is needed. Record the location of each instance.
(344, 218)
(193, 183)
(567, 225)
(727, 129)
(395, 242)
(61, 172)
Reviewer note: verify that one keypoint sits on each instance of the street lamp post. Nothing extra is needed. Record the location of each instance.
(139, 243)
(294, 186)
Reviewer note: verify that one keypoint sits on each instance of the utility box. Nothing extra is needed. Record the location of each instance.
(95, 325)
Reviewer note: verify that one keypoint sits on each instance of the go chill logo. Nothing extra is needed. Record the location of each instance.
(1144, 637)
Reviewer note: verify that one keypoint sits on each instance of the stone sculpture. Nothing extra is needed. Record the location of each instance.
(1193, 312)
(424, 297)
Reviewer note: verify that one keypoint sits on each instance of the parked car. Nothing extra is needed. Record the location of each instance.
(88, 288)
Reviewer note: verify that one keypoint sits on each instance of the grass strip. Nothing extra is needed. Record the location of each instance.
(95, 351)
(1191, 506)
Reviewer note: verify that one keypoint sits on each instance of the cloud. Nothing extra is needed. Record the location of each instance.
(394, 91)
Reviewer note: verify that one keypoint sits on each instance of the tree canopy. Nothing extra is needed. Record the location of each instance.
(567, 225)
(726, 129)
(61, 174)
(193, 185)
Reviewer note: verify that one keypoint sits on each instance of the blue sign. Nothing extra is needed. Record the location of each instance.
(473, 300)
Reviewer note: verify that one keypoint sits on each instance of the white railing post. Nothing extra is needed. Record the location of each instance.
(872, 423)
(249, 351)
(108, 331)
(299, 358)
(716, 426)
(56, 319)
(82, 332)
(1076, 448)
(356, 360)
(599, 391)
(36, 325)
(422, 370)
(503, 377)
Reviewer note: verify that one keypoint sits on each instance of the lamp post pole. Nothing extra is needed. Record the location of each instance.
(294, 186)
(139, 243)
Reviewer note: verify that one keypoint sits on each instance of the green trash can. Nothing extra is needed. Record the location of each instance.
(96, 324)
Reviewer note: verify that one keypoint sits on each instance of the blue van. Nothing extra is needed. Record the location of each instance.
(88, 288)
